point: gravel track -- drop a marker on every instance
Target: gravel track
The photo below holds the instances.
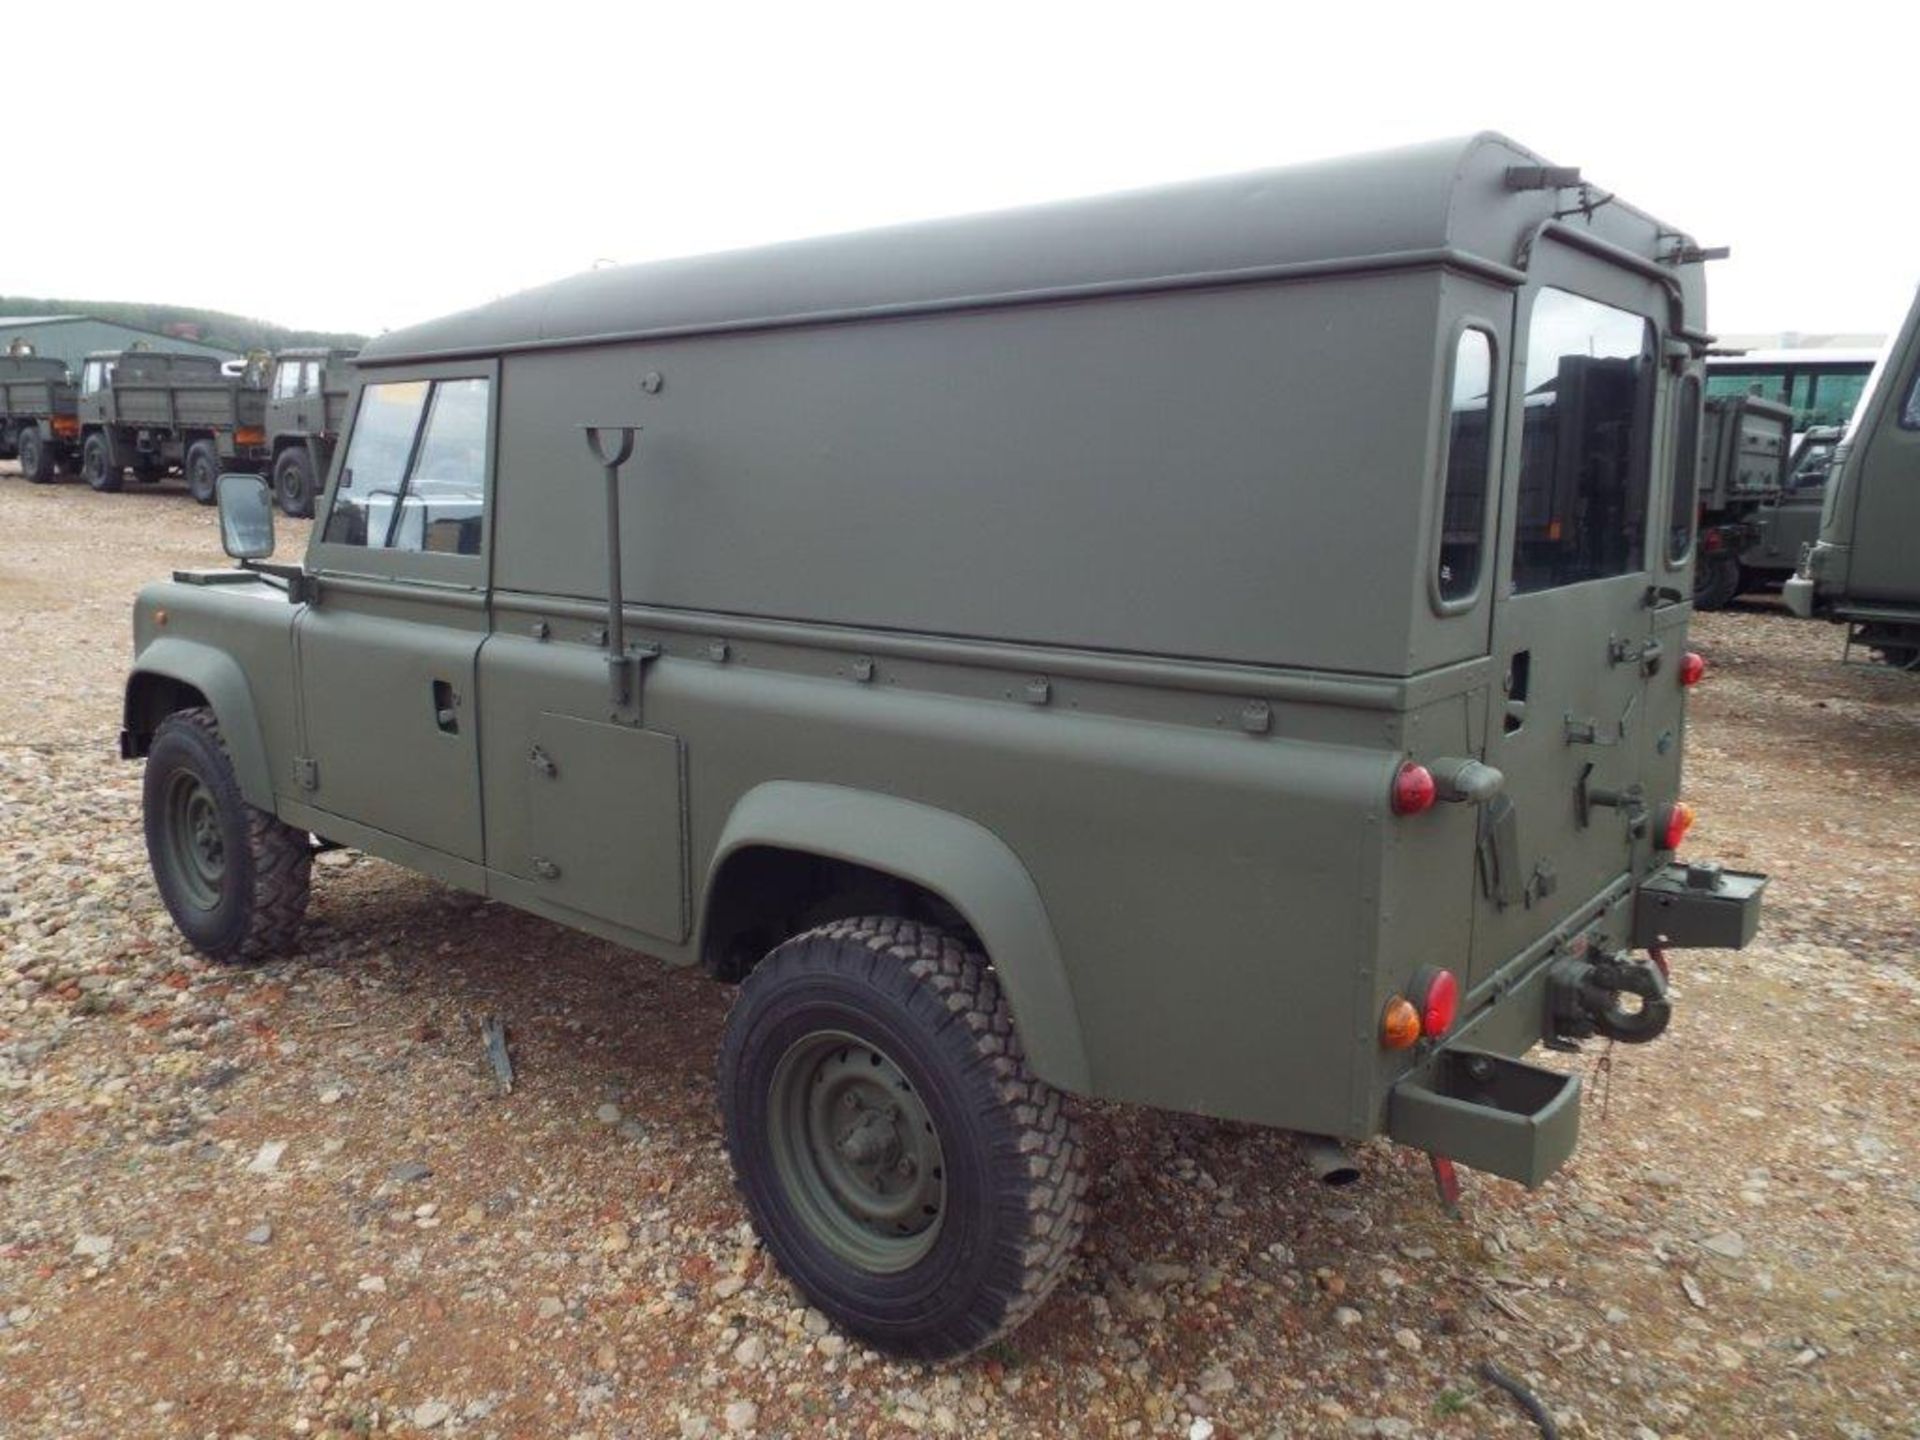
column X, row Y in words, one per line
column 292, row 1201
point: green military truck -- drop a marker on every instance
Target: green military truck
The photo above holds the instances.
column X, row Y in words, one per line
column 306, row 408
column 1744, row 450
column 1864, row 569
column 1097, row 650
column 1784, row 527
column 154, row 411
column 39, row 421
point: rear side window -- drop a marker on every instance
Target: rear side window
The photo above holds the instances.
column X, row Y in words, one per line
column 1686, row 470
column 414, row 477
column 1585, row 443
column 1463, row 503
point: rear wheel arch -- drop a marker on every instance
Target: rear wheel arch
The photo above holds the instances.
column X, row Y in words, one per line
column 794, row 855
column 176, row 675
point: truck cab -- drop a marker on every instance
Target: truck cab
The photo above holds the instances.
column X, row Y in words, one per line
column 306, row 400
column 1220, row 648
column 1863, row 571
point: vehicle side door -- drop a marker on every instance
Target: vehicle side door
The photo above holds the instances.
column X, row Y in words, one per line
column 387, row 654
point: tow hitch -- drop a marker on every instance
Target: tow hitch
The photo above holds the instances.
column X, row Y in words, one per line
column 1618, row 996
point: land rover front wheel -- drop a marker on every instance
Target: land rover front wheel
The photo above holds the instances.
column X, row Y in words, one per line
column 203, row 471
column 233, row 877
column 96, row 464
column 293, row 481
column 902, row 1164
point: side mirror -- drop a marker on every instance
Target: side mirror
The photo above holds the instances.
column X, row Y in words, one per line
column 246, row 516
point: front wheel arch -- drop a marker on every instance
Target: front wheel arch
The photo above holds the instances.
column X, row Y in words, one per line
column 176, row 675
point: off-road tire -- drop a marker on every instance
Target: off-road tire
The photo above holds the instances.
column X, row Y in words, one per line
column 97, row 467
column 36, row 456
column 202, row 470
column 1014, row 1187
column 262, row 891
column 293, row 482
column 1716, row 580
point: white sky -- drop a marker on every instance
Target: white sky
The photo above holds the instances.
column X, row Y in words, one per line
column 361, row 167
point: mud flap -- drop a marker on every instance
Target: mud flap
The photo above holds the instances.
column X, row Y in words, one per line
column 1494, row 1114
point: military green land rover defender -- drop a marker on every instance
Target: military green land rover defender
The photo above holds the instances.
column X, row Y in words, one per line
column 1864, row 570
column 1220, row 648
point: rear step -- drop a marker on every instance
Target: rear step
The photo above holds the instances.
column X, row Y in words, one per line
column 1499, row 1115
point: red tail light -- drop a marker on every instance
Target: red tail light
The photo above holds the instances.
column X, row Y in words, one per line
column 1692, row 667
column 1675, row 821
column 1438, row 995
column 1413, row 790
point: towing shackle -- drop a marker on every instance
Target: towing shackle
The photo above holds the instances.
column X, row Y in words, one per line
column 1587, row 996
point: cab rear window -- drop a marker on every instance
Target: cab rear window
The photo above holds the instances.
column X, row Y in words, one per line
column 1585, row 444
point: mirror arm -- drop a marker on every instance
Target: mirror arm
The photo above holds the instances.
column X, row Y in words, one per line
column 301, row 588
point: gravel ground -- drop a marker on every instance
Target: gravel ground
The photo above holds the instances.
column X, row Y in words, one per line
column 291, row 1200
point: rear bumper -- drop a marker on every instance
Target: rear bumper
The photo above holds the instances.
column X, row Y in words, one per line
column 1473, row 1101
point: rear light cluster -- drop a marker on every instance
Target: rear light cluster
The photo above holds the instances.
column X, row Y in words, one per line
column 1675, row 820
column 1428, row 1009
column 1413, row 789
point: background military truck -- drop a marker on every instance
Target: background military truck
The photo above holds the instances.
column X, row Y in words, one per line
column 1098, row 649
column 1864, row 569
column 39, row 422
column 306, row 407
column 153, row 410
column 1743, row 470
column 1787, row 525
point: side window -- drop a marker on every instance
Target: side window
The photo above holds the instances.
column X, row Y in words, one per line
column 310, row 378
column 414, row 477
column 286, row 380
column 1910, row 410
column 1585, row 443
column 1463, row 501
column 1834, row 399
column 92, row 377
column 1686, row 471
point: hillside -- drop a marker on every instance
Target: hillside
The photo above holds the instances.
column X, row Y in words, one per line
column 236, row 332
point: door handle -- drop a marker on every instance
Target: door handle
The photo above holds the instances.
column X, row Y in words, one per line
column 446, row 708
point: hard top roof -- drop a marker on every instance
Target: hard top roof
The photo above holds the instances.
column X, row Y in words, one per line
column 314, row 352
column 1445, row 196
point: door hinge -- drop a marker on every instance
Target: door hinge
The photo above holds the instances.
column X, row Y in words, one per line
column 306, row 773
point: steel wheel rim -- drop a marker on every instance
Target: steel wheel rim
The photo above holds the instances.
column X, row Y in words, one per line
column 857, row 1152
column 196, row 849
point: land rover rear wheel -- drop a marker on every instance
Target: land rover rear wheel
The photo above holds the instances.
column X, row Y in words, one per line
column 293, row 481
column 203, row 471
column 900, row 1161
column 36, row 456
column 96, row 465
column 233, row 877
